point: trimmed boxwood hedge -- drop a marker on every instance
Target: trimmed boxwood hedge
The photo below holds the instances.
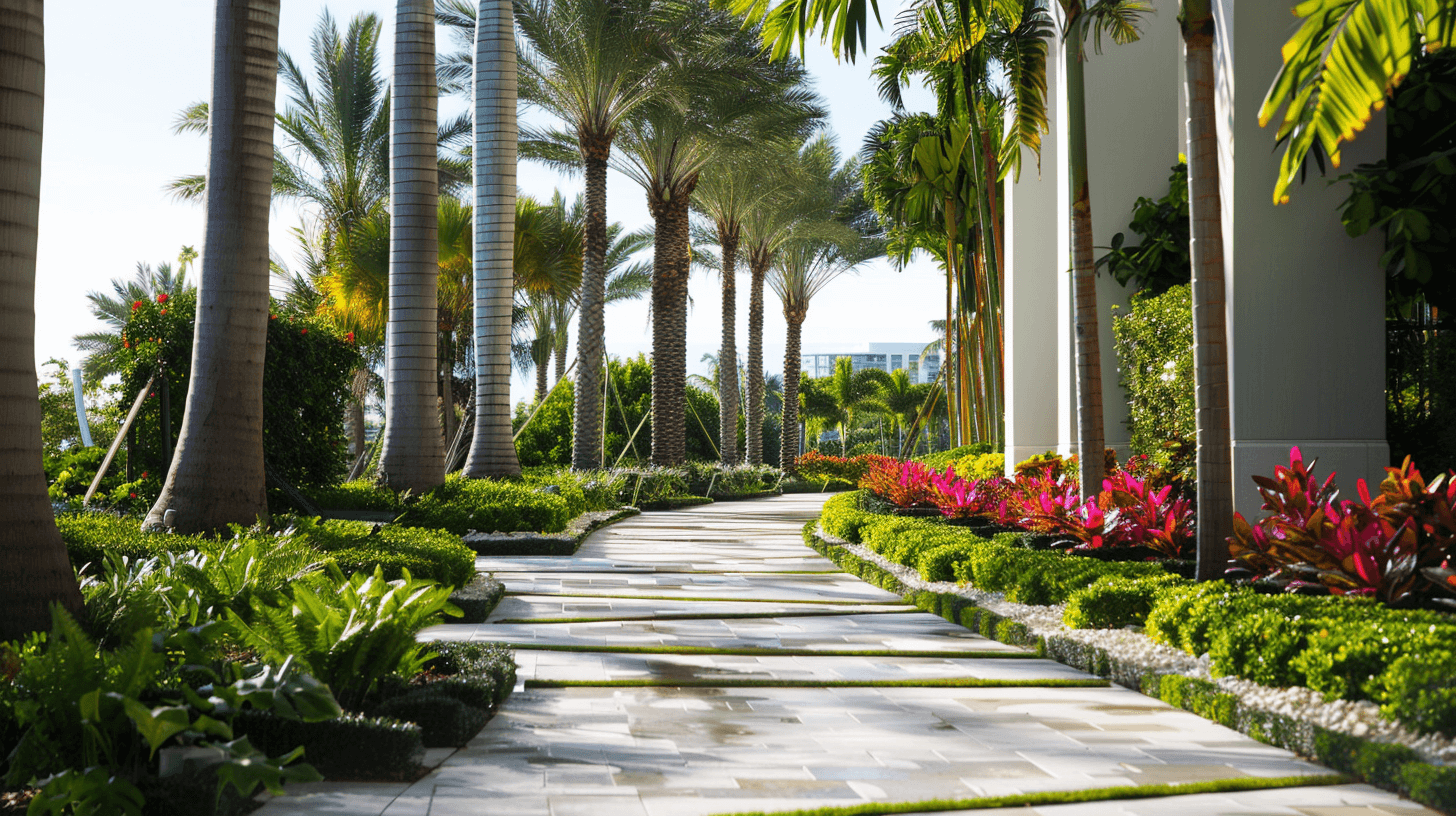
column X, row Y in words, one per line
column 350, row 747
column 461, row 505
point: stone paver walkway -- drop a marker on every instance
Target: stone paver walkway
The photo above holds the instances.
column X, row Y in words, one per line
column 705, row 661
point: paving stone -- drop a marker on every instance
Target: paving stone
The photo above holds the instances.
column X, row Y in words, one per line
column 692, row 751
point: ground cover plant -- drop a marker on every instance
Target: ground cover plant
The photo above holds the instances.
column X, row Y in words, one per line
column 247, row 649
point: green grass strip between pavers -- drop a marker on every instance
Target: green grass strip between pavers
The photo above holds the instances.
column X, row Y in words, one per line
column 1067, row 797
column 813, row 613
column 696, row 599
column 767, row 651
column 755, row 682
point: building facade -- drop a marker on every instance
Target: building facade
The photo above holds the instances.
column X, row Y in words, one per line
column 883, row 356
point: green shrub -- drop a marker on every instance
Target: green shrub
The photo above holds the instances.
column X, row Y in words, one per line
column 584, row 491
column 938, row 563
column 350, row 638
column 1420, row 691
column 1154, row 343
column 358, row 546
column 493, row 660
column 461, row 505
column 477, row 599
column 91, row 535
column 350, row 747
column 361, row 494
column 844, row 515
column 444, row 721
column 978, row 467
column 943, row 458
column 1260, row 646
column 1112, row 602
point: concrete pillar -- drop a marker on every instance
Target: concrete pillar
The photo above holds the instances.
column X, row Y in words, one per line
column 1306, row 302
column 1036, row 263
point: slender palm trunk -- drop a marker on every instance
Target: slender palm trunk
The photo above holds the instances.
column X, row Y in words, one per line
column 728, row 352
column 492, row 452
column 789, row 448
column 1210, row 331
column 543, row 385
column 358, row 393
column 34, row 569
column 586, row 443
column 414, row 452
column 560, row 362
column 758, row 262
column 670, row 262
column 447, row 387
column 217, row 477
column 1090, row 440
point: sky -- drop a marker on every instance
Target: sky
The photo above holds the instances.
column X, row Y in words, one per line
column 116, row 80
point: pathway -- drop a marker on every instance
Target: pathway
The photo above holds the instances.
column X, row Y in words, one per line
column 705, row 661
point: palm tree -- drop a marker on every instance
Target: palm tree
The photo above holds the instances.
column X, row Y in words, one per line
column 217, row 477
column 852, row 390
column 725, row 193
column 103, row 348
column 413, row 456
column 590, row 65
column 549, row 240
column 1117, row 18
column 35, row 571
column 901, row 400
column 1341, row 64
column 767, row 225
column 492, row 450
column 1214, row 456
column 818, row 251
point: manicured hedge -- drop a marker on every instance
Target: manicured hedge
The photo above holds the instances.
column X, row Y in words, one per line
column 354, row 545
column 461, row 505
column 477, row 599
column 350, row 747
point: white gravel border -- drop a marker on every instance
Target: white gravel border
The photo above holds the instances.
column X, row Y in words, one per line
column 1360, row 719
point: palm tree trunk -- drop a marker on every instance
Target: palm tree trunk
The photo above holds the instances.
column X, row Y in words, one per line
column 492, row 451
column 789, row 448
column 543, row 385
column 358, row 392
column 34, row 569
column 560, row 354
column 1210, row 332
column 1090, row 440
column 414, row 452
column 670, row 263
column 217, row 475
column 447, row 388
column 586, row 443
column 728, row 352
column 758, row 262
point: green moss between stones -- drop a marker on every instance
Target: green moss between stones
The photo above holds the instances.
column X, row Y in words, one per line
column 1064, row 797
column 808, row 613
column 749, row 651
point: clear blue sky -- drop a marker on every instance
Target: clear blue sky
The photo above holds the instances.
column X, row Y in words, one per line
column 116, row 79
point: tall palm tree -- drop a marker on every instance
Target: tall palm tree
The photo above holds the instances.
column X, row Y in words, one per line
column 1214, row 455
column 217, row 476
column 492, row 450
column 590, row 65
column 900, row 400
column 851, row 391
column 819, row 250
column 1119, row 19
column 767, row 225
column 413, row 456
column 34, row 569
column 733, row 96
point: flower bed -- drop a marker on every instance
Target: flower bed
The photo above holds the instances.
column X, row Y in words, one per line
column 1318, row 608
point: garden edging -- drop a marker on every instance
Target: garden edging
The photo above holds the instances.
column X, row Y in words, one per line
column 1387, row 765
column 565, row 542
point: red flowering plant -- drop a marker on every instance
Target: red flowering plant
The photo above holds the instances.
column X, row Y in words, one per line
column 903, row 484
column 1135, row 514
column 1396, row 546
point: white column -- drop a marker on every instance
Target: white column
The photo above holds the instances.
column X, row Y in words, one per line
column 1132, row 143
column 1036, row 263
column 1306, row 302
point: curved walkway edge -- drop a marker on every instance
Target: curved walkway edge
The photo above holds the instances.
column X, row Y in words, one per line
column 705, row 661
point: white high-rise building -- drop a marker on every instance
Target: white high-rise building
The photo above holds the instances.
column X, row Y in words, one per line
column 884, row 356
